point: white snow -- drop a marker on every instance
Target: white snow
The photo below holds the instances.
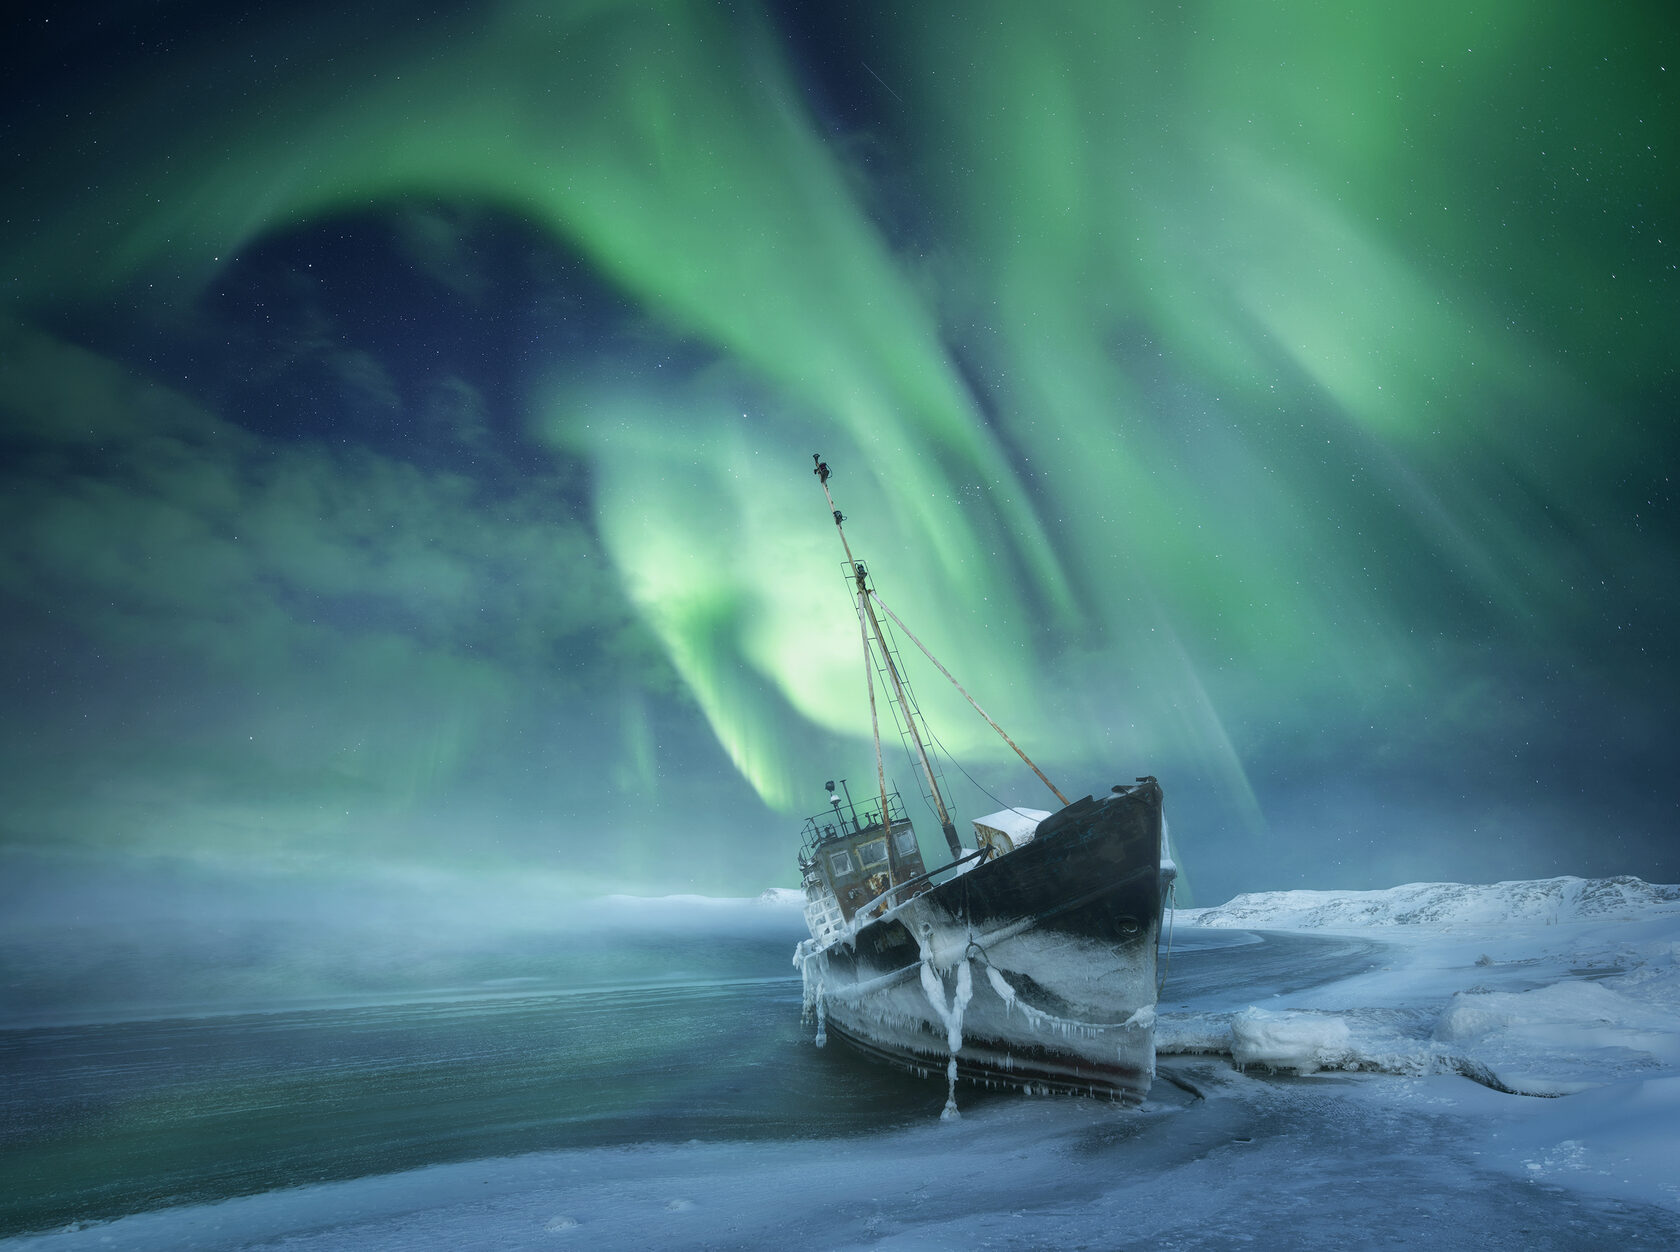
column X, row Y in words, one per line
column 1441, row 904
column 1298, row 1042
column 1019, row 824
column 1541, row 987
column 1369, row 1107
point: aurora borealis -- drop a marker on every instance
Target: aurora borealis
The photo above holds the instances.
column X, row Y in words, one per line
column 408, row 416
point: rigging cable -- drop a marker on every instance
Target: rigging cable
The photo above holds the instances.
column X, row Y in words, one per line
column 874, row 725
column 902, row 720
column 1010, row 807
column 876, row 596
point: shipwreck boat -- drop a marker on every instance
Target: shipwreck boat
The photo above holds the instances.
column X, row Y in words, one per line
column 1027, row 960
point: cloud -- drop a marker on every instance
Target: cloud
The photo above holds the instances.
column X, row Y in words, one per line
column 284, row 640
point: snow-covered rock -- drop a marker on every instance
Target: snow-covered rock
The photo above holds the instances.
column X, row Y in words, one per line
column 1299, row 1042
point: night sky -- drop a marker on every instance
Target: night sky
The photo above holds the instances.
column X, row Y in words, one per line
column 408, row 413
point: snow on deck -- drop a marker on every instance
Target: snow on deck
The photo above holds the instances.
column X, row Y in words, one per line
column 1019, row 824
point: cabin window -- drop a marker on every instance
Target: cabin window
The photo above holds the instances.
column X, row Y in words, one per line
column 874, row 852
column 840, row 862
column 907, row 843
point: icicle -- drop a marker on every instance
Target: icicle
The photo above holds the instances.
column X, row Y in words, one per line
column 959, row 1004
column 1005, row 992
column 822, row 1018
column 934, row 988
column 951, row 1016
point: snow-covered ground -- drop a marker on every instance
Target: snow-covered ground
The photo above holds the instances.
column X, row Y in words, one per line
column 1445, row 905
column 1375, row 1106
column 1543, row 988
column 1565, row 988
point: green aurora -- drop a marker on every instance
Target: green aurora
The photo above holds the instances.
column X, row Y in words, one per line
column 1277, row 398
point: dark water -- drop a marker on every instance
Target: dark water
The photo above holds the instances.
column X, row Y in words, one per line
column 103, row 1119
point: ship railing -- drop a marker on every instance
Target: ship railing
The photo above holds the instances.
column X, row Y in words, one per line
column 824, row 827
column 896, row 895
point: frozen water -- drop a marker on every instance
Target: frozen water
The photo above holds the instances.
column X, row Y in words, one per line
column 1343, row 1085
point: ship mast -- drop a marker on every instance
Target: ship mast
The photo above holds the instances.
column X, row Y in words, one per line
column 860, row 575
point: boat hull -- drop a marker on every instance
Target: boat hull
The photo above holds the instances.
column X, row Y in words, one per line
column 1035, row 970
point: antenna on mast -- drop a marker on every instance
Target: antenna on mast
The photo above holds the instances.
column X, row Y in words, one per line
column 860, row 576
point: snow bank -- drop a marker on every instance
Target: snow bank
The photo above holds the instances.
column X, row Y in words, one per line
column 1569, row 1035
column 1536, row 988
column 1547, row 900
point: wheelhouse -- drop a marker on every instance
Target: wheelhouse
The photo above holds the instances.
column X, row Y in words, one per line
column 857, row 861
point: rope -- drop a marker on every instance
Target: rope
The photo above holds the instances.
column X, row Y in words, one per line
column 1172, row 916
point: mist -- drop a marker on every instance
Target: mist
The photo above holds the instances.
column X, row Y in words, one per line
column 183, row 941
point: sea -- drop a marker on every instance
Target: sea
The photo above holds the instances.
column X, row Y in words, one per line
column 644, row 1037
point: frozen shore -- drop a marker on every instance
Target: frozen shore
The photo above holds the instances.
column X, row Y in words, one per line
column 1538, row 988
column 1371, row 1106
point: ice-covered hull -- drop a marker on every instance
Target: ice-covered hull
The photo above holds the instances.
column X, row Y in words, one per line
column 1035, row 970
